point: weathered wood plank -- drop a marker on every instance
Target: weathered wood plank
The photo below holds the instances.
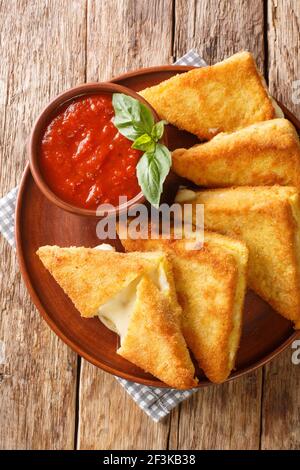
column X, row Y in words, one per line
column 218, row 29
column 122, row 36
column 281, row 396
column 283, row 48
column 109, row 419
column 42, row 53
column 220, row 417
column 281, row 404
column 228, row 416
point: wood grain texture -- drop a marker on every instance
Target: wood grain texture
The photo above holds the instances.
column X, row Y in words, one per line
column 281, row 395
column 140, row 35
column 220, row 417
column 109, row 418
column 40, row 56
column 283, row 52
column 281, row 404
column 218, row 29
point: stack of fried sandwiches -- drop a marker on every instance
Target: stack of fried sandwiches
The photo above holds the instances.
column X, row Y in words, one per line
column 173, row 307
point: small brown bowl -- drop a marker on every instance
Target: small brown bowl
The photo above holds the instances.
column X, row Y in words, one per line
column 45, row 118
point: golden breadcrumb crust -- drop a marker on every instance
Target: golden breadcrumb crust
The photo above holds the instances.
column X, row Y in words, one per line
column 154, row 340
column 265, row 153
column 221, row 98
column 91, row 277
column 267, row 219
column 206, row 282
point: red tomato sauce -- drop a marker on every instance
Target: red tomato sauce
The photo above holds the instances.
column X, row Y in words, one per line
column 84, row 159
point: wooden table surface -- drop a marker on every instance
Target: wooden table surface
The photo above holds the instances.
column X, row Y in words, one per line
column 49, row 397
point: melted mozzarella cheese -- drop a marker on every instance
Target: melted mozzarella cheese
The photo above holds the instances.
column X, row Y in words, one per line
column 116, row 313
column 278, row 110
column 105, row 247
column 159, row 278
column 185, row 195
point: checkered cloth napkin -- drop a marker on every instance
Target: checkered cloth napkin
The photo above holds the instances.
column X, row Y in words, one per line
column 156, row 402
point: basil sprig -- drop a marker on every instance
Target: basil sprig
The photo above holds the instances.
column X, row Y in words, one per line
column 135, row 121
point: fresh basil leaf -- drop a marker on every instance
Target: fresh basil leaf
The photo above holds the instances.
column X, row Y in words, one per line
column 132, row 118
column 146, row 118
column 158, row 130
column 135, row 121
column 152, row 170
column 144, row 142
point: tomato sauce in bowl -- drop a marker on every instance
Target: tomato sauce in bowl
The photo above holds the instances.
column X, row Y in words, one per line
column 83, row 158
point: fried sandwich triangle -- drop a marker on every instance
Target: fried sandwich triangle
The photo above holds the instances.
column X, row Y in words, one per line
column 267, row 219
column 223, row 97
column 262, row 154
column 135, row 296
column 210, row 285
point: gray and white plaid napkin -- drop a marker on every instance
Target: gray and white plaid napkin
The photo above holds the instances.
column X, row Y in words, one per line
column 156, row 402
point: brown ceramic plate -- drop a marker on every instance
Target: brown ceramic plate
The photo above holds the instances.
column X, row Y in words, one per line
column 39, row 222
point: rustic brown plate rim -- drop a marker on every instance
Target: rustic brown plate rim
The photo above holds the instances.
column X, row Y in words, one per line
column 74, row 346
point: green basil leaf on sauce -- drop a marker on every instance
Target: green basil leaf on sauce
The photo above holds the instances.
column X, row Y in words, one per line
column 135, row 121
column 132, row 118
column 144, row 142
column 152, row 170
column 158, row 130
